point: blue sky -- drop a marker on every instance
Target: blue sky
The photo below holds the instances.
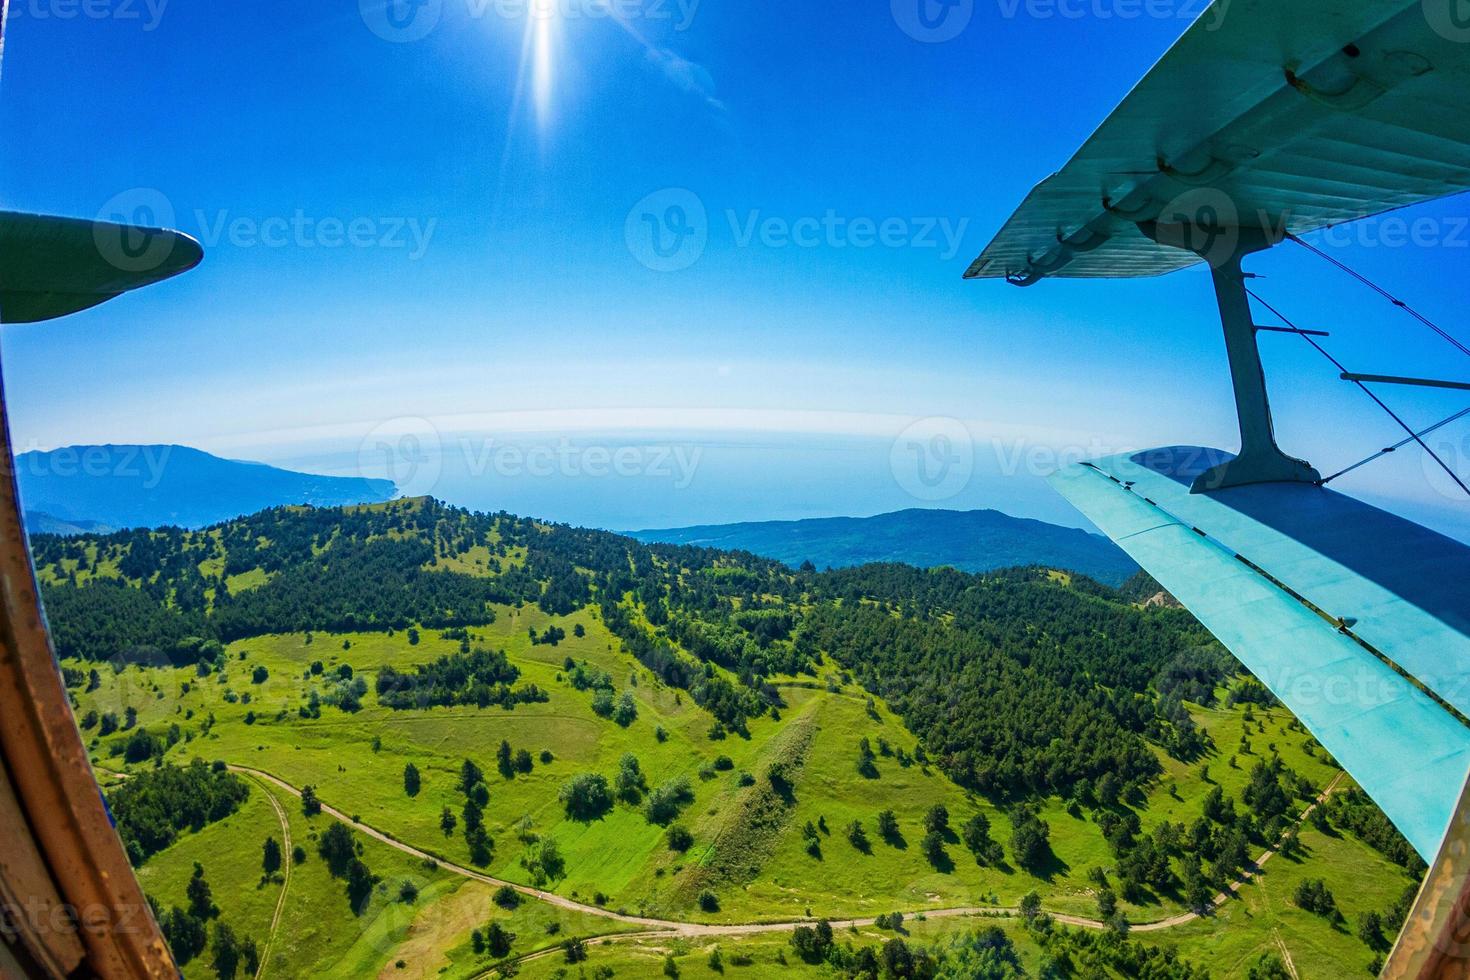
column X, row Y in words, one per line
column 498, row 171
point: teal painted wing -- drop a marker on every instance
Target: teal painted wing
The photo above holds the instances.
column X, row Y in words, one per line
column 1321, row 597
column 1298, row 113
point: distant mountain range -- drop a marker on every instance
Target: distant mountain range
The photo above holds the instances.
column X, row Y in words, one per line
column 97, row 488
column 972, row 541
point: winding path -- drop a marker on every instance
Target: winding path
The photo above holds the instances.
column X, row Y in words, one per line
column 286, row 863
column 667, row 928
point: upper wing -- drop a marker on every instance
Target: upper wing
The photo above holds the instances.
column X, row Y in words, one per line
column 1296, row 113
column 1359, row 621
column 50, row 267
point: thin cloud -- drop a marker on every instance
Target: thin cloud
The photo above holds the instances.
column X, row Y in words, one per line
column 688, row 76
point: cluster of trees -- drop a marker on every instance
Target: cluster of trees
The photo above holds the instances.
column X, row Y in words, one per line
column 510, row 762
column 153, row 807
column 985, row 954
column 342, row 853
column 1352, row 808
column 186, row 930
column 1215, row 848
column 481, row 677
column 1313, row 895
column 476, row 795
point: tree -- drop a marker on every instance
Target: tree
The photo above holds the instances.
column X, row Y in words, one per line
column 898, row 959
column 858, row 837
column 709, row 901
column 976, row 835
column 1030, row 905
column 887, row 825
column 481, row 845
column 1268, row 967
column 408, row 892
column 933, row 848
column 271, row 859
column 201, row 900
column 185, row 933
column 310, row 805
column 498, row 940
column 1107, row 904
column 338, row 849
column 226, row 952
column 507, row 898
column 505, row 760
column 680, row 839
column 936, row 821
column 411, row 781
column 447, row 821
column 1030, row 838
column 250, row 956
column 469, row 775
column 629, row 781
column 586, row 796
column 1370, row 931
column 360, row 882
column 575, row 950
column 665, row 802
column 671, row 968
column 626, row 711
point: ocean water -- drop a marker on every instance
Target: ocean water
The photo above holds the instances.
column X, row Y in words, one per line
column 652, row 480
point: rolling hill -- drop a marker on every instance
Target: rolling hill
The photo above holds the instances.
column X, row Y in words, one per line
column 971, row 541
column 91, row 488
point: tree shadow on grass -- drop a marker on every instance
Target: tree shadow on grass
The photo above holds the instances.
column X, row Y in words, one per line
column 1050, row 867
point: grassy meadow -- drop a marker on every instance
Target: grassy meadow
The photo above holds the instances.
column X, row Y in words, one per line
column 757, row 861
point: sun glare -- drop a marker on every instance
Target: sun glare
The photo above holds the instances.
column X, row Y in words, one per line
column 541, row 35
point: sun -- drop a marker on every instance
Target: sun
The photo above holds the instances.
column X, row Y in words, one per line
column 541, row 36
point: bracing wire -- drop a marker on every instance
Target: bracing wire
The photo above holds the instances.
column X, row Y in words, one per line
column 1414, row 436
column 1385, row 294
column 1396, row 446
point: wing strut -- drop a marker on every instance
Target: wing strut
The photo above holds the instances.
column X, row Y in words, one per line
column 1260, row 459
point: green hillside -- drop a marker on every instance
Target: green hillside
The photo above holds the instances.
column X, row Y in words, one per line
column 680, row 749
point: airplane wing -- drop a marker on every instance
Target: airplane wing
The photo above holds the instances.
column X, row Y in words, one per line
column 1359, row 621
column 50, row 267
column 1297, row 113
